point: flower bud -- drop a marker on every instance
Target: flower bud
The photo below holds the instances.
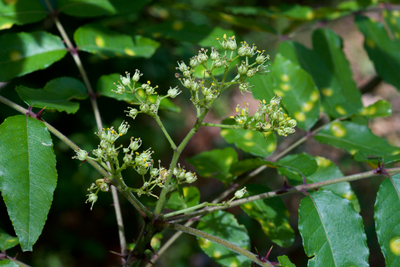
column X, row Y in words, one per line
column 190, row 177
column 144, row 107
column 194, row 62
column 173, row 92
column 214, row 54
column 195, row 87
column 104, row 187
column 123, row 128
column 251, row 72
column 92, row 197
column 154, row 172
column 132, row 112
column 136, row 76
column 242, row 69
column 126, row 81
column 81, row 155
column 240, row 193
column 182, row 67
column 232, row 43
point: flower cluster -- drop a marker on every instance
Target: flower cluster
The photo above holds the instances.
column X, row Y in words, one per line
column 277, row 120
column 211, row 61
column 100, row 185
column 142, row 94
column 184, row 176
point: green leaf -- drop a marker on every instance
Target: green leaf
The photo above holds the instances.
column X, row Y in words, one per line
column 8, row 263
column 224, row 225
column 28, row 175
column 106, row 83
column 55, row 95
column 355, row 138
column 271, row 213
column 327, row 170
column 23, row 53
column 7, row 241
column 91, row 8
column 191, row 195
column 96, row 39
column 285, row 262
column 373, row 161
column 215, row 163
column 263, row 87
column 297, row 165
column 332, row 231
column 217, row 33
column 300, row 97
column 251, row 141
column 330, row 70
column 380, row 108
column 392, row 20
column 240, row 167
column 20, row 12
column 181, row 31
column 387, row 219
column 294, row 12
column 381, row 49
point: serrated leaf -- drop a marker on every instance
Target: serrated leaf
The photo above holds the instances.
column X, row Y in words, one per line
column 373, row 161
column 354, row 138
column 28, row 175
column 250, row 141
column 380, row 108
column 271, row 213
column 296, row 165
column 8, row 263
column 55, row 95
column 330, row 70
column 95, row 8
column 387, row 219
column 215, row 163
column 106, row 83
column 7, row 241
column 332, row 231
column 299, row 95
column 285, row 262
column 191, row 197
column 382, row 51
column 225, row 226
column 20, row 12
column 23, row 53
column 327, row 170
column 97, row 39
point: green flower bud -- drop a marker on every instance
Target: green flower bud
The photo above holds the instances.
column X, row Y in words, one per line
column 240, row 193
column 123, row 128
column 136, row 76
column 194, row 62
column 251, row 72
column 120, row 89
column 132, row 112
column 182, row 67
column 126, row 81
column 92, row 198
column 173, row 92
column 144, row 107
column 81, row 155
column 214, row 54
column 242, row 69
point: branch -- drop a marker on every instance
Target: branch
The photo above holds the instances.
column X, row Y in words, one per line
column 289, row 190
column 217, row 240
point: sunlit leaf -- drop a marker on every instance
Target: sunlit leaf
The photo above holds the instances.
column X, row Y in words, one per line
column 380, row 108
column 296, row 166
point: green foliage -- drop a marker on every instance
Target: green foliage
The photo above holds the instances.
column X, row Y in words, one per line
column 307, row 89
column 29, row 168
column 325, row 221
column 224, row 225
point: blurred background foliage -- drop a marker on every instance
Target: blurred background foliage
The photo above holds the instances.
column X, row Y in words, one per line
column 76, row 236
